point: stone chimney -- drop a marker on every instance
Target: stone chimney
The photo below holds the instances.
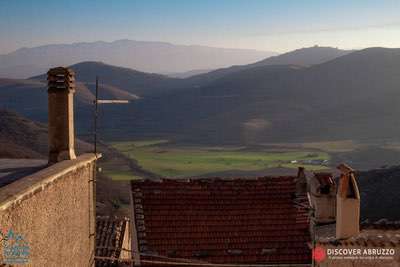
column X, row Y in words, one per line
column 61, row 88
column 322, row 193
column 347, row 204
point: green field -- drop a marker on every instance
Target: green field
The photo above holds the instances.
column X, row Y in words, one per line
column 119, row 175
column 166, row 160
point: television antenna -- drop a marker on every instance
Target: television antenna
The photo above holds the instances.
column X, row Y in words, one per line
column 98, row 101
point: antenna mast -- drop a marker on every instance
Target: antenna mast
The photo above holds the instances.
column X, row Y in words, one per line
column 96, row 114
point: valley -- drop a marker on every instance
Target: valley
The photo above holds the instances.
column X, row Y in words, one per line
column 169, row 159
column 187, row 161
column 340, row 103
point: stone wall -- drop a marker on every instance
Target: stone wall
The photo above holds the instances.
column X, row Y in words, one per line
column 53, row 212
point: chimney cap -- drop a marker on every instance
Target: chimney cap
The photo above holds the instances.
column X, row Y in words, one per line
column 61, row 71
column 60, row 79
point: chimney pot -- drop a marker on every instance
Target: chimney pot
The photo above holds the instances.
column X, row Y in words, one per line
column 61, row 89
column 347, row 204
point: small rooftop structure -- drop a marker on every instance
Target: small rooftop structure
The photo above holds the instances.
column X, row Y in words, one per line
column 220, row 221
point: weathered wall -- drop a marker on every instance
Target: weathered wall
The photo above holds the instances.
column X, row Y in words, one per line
column 53, row 211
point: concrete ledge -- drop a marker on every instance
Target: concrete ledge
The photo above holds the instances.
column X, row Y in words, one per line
column 24, row 188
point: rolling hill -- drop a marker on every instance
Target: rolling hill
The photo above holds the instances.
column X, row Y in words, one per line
column 132, row 81
column 303, row 57
column 158, row 57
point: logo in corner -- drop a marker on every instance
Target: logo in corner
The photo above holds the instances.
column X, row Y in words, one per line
column 319, row 254
column 15, row 248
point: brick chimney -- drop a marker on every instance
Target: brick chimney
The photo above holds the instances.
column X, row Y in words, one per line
column 347, row 204
column 61, row 88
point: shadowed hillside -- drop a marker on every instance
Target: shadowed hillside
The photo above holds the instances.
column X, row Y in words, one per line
column 20, row 137
column 380, row 188
column 23, row 138
column 302, row 57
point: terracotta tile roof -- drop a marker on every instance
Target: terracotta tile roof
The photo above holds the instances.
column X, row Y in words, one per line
column 109, row 239
column 222, row 221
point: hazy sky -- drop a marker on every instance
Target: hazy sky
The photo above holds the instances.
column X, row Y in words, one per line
column 260, row 24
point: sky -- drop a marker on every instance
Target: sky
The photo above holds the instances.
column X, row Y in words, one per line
column 278, row 26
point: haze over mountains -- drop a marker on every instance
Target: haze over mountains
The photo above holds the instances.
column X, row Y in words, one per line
column 334, row 95
column 153, row 57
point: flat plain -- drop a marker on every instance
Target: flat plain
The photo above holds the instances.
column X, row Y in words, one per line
column 172, row 160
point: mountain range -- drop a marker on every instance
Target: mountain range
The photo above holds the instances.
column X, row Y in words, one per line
column 353, row 96
column 333, row 95
column 153, row 57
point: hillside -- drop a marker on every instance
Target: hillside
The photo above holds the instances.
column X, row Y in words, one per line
column 303, row 57
column 379, row 188
column 186, row 74
column 124, row 79
column 154, row 57
column 20, row 137
column 23, row 138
